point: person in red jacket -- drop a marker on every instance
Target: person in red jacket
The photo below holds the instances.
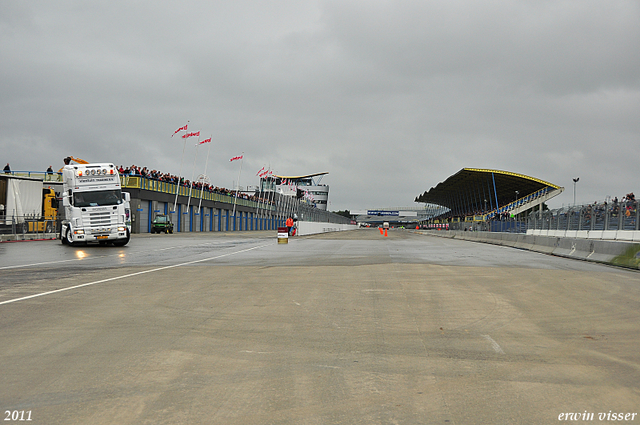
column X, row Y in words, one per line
column 289, row 224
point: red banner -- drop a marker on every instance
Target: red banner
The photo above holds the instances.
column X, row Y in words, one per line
column 179, row 130
column 197, row 133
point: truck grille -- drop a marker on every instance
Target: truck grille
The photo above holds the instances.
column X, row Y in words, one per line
column 100, row 219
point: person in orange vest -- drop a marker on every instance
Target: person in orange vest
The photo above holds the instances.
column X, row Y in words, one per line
column 289, row 224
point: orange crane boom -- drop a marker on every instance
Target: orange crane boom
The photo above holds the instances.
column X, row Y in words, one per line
column 73, row 159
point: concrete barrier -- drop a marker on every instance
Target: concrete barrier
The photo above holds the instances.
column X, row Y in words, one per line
column 545, row 244
column 311, row 227
column 617, row 252
column 613, row 235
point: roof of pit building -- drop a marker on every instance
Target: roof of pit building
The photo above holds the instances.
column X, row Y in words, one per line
column 472, row 189
column 306, row 176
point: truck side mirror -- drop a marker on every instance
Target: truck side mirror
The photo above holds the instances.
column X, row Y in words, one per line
column 126, row 196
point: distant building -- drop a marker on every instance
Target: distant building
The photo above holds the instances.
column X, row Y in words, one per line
column 397, row 215
column 306, row 188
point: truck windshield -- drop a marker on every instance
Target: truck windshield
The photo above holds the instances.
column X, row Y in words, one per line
column 97, row 198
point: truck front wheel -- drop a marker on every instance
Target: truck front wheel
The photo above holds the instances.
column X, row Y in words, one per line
column 123, row 242
column 63, row 237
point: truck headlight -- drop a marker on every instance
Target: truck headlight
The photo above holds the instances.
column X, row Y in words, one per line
column 79, row 232
column 121, row 228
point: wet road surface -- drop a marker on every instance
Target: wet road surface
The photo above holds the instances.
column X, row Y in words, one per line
column 341, row 328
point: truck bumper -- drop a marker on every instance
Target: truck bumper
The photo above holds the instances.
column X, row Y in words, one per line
column 80, row 235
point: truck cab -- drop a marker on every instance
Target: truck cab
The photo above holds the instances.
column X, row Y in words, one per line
column 96, row 209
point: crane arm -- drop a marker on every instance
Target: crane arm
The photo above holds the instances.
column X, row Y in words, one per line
column 78, row 160
column 74, row 159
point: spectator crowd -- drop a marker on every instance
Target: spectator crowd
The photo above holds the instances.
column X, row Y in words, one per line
column 136, row 171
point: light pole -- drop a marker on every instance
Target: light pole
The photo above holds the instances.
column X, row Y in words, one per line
column 574, row 190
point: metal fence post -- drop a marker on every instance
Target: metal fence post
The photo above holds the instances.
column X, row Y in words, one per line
column 580, row 218
column 620, row 217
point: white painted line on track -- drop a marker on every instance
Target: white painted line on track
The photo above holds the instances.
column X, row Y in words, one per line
column 91, row 257
column 131, row 275
column 39, row 264
column 494, row 344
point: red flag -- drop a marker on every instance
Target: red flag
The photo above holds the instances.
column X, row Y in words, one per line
column 205, row 141
column 260, row 171
column 197, row 133
column 179, row 130
column 236, row 158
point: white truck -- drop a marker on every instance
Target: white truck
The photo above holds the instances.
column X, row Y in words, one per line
column 96, row 209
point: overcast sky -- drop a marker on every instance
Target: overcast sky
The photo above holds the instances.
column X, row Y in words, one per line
column 389, row 97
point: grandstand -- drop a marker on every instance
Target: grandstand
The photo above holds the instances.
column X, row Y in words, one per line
column 476, row 194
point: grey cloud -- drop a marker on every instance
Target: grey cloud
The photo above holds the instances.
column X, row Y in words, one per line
column 388, row 97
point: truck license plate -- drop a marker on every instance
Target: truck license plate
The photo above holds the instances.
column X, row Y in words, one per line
column 102, row 237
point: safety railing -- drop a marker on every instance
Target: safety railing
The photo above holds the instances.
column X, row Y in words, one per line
column 509, row 226
column 32, row 226
column 139, row 182
column 598, row 216
column 518, row 203
column 310, row 213
column 42, row 175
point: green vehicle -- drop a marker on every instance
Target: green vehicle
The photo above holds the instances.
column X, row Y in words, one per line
column 162, row 223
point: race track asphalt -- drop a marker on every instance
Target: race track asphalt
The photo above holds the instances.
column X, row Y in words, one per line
column 341, row 328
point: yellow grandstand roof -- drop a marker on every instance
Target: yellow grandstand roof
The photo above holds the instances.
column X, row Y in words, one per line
column 472, row 187
column 509, row 173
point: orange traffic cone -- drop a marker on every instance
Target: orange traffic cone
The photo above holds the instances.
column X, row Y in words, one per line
column 385, row 233
column 380, row 230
